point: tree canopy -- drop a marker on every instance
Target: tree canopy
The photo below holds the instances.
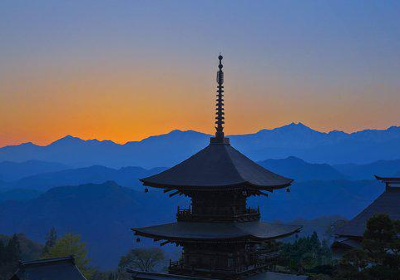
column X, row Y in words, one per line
column 51, row 240
column 306, row 253
column 379, row 256
column 71, row 244
column 144, row 259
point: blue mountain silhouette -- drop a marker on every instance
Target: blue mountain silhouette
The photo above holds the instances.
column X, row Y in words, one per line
column 100, row 212
column 301, row 170
column 126, row 176
column 10, row 171
column 297, row 140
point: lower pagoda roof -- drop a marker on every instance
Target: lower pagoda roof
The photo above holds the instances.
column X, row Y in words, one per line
column 219, row 165
column 217, row 231
column 267, row 275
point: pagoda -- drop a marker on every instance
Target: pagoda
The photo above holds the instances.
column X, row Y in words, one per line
column 220, row 235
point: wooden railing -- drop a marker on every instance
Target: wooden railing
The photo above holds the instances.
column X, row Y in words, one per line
column 249, row 214
column 179, row 267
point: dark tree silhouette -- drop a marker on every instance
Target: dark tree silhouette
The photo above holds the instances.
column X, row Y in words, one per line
column 51, row 241
column 9, row 257
column 142, row 259
column 2, row 253
column 13, row 251
column 379, row 257
column 306, row 253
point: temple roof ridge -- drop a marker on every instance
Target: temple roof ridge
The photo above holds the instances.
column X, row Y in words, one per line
column 62, row 268
column 388, row 203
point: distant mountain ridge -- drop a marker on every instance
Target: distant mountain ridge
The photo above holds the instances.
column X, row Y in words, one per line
column 301, row 170
column 335, row 147
column 129, row 176
column 363, row 171
column 10, row 171
column 18, row 195
column 96, row 174
column 101, row 213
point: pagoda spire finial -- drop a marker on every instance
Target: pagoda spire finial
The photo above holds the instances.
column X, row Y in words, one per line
column 219, row 134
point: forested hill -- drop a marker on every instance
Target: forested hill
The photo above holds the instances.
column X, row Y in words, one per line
column 101, row 213
column 104, row 213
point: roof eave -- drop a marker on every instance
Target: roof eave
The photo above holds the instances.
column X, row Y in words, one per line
column 244, row 184
column 348, row 235
column 244, row 237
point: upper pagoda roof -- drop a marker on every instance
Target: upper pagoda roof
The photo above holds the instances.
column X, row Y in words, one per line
column 217, row 165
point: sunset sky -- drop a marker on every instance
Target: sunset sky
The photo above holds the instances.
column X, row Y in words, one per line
column 125, row 70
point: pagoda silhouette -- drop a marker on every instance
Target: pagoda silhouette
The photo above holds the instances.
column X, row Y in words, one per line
column 220, row 235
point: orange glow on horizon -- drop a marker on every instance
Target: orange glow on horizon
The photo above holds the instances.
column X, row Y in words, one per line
column 128, row 104
column 141, row 68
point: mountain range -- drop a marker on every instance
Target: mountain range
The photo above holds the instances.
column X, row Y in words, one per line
column 301, row 170
column 77, row 200
column 291, row 167
column 364, row 171
column 10, row 171
column 129, row 176
column 104, row 213
column 126, row 176
column 335, row 147
column 101, row 213
column 92, row 187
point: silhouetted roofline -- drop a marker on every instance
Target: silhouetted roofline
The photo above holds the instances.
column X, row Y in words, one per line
column 219, row 165
column 387, row 203
column 216, row 167
column 245, row 184
column 226, row 231
column 49, row 261
column 62, row 268
column 388, row 179
column 392, row 183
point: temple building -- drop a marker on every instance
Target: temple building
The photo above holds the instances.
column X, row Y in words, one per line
column 49, row 269
column 350, row 235
column 220, row 235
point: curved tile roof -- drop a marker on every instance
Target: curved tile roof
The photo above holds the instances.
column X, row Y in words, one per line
column 387, row 203
column 49, row 269
column 217, row 165
column 217, row 231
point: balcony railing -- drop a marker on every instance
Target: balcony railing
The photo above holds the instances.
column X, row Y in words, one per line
column 179, row 267
column 249, row 214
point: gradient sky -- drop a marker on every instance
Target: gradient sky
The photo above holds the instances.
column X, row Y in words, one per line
column 125, row 70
